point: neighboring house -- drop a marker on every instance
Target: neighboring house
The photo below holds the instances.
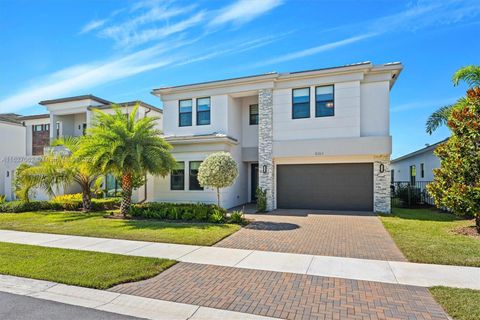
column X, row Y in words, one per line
column 317, row 139
column 12, row 144
column 66, row 117
column 416, row 166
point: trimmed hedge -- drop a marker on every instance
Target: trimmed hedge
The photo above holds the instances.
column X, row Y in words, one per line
column 179, row 211
column 70, row 205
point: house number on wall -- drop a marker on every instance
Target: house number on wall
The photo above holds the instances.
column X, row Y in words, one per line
column 319, row 153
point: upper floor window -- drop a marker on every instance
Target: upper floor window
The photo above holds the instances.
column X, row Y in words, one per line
column 177, row 177
column 193, row 180
column 185, row 113
column 253, row 114
column 41, row 127
column 203, row 111
column 301, row 103
column 422, row 170
column 324, row 101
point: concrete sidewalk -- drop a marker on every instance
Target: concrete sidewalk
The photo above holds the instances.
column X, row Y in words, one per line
column 425, row 275
column 124, row 304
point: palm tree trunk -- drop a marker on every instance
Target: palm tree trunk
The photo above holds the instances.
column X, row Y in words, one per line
column 86, row 201
column 127, row 184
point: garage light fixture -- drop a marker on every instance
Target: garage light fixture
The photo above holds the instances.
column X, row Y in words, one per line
column 382, row 168
column 264, row 169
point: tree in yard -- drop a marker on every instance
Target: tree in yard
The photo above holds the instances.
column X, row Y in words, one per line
column 24, row 182
column 456, row 184
column 219, row 170
column 62, row 168
column 126, row 147
column 471, row 76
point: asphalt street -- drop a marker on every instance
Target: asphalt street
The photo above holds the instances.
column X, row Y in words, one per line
column 15, row 307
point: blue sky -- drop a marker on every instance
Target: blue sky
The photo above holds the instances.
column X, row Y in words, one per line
column 120, row 50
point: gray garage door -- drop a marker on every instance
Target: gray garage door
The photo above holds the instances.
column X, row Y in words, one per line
column 347, row 186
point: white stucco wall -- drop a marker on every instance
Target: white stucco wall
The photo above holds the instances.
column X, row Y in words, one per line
column 218, row 117
column 249, row 132
column 12, row 143
column 402, row 167
column 345, row 122
column 375, row 109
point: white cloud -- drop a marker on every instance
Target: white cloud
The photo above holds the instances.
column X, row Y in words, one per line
column 314, row 50
column 92, row 25
column 423, row 104
column 129, row 32
column 244, row 11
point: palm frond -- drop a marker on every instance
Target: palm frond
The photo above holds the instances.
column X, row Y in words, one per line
column 438, row 118
column 468, row 74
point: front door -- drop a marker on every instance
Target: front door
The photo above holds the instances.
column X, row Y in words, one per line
column 254, row 180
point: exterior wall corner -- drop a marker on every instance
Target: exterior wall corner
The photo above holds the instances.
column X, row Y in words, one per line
column 381, row 184
column 265, row 146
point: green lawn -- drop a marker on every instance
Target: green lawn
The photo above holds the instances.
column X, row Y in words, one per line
column 426, row 236
column 460, row 304
column 95, row 225
column 74, row 267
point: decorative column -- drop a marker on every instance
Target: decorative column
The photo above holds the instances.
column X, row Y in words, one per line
column 381, row 182
column 265, row 145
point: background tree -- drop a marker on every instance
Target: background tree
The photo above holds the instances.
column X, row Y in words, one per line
column 24, row 182
column 61, row 167
column 219, row 170
column 456, row 184
column 471, row 76
column 127, row 148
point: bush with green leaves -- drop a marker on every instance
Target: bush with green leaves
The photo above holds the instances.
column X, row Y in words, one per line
column 178, row 211
column 59, row 205
column 218, row 170
column 261, row 200
column 237, row 217
column 456, row 184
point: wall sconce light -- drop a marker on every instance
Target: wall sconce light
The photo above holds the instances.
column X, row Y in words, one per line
column 79, row 127
column 8, row 174
column 382, row 168
column 264, row 169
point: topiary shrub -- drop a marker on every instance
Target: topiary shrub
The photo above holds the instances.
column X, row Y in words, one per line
column 219, row 170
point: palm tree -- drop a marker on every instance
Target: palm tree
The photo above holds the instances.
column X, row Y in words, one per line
column 126, row 147
column 471, row 76
column 62, row 168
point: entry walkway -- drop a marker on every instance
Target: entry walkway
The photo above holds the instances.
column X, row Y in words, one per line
column 395, row 272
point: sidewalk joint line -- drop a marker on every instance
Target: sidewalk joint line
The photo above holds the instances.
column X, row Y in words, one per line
column 193, row 314
column 186, row 254
column 310, row 264
column 141, row 247
column 248, row 255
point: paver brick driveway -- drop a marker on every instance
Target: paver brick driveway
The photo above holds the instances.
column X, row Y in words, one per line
column 286, row 295
column 341, row 234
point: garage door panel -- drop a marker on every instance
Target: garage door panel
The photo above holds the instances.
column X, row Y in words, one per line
column 325, row 186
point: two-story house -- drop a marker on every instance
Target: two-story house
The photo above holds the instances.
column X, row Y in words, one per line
column 69, row 116
column 316, row 139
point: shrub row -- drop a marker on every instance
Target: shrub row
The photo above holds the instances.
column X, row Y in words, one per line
column 70, row 205
column 179, row 211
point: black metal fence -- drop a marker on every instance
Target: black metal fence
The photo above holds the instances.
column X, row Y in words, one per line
column 406, row 194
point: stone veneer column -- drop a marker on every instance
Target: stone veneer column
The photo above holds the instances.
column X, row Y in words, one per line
column 381, row 182
column 265, row 144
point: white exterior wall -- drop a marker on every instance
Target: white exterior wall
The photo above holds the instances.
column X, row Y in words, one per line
column 375, row 109
column 402, row 167
column 12, row 143
column 345, row 122
column 249, row 132
column 218, row 117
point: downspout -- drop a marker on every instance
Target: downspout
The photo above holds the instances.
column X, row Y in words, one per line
column 145, row 187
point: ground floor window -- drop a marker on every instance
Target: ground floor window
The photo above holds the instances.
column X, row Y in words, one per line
column 177, row 177
column 413, row 174
column 193, row 180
